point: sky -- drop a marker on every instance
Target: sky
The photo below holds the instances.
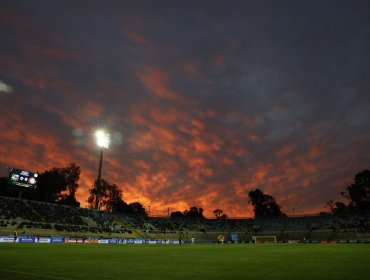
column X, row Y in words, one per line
column 204, row 100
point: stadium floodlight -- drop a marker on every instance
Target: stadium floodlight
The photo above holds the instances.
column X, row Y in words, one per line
column 102, row 140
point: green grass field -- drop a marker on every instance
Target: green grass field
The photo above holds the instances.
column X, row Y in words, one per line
column 242, row 261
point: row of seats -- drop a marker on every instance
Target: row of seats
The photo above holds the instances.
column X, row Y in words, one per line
column 34, row 214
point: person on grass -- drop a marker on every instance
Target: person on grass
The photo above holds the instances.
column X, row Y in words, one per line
column 15, row 236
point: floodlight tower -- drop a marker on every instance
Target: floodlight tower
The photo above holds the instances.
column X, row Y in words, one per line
column 102, row 140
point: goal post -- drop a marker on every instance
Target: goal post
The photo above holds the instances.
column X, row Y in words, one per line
column 258, row 239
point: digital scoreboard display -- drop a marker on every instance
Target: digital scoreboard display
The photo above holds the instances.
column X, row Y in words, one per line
column 23, row 178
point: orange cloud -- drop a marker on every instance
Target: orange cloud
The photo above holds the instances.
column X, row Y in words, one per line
column 156, row 81
column 196, row 125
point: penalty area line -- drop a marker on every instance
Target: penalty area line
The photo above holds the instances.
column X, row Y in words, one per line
column 34, row 274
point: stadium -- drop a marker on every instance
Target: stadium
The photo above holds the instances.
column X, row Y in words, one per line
column 62, row 242
column 38, row 219
column 44, row 233
column 186, row 139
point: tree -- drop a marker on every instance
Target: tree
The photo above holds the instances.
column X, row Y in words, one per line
column 336, row 208
column 109, row 195
column 359, row 192
column 219, row 214
column 194, row 212
column 340, row 208
column 110, row 199
column 137, row 208
column 330, row 205
column 121, row 207
column 264, row 205
column 71, row 175
column 114, row 198
column 177, row 214
column 51, row 184
column 57, row 185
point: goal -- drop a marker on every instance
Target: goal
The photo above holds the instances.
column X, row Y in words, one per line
column 264, row 239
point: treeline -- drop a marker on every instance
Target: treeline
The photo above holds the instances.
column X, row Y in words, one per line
column 111, row 200
column 358, row 194
column 59, row 185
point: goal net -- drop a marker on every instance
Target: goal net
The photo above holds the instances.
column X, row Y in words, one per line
column 264, row 239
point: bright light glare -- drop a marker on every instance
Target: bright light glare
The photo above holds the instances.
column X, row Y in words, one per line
column 5, row 88
column 102, row 139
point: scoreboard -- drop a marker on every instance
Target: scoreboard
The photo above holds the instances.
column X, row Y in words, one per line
column 23, row 178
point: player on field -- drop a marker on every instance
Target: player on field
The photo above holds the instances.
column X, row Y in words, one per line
column 15, row 235
column 180, row 238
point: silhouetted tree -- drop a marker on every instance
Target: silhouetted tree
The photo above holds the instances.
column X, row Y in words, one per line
column 71, row 175
column 194, row 212
column 134, row 208
column 340, row 208
column 108, row 195
column 219, row 214
column 121, row 206
column 330, row 205
column 359, row 192
column 177, row 214
column 264, row 205
column 110, row 200
column 114, row 198
column 137, row 209
column 336, row 208
column 51, row 184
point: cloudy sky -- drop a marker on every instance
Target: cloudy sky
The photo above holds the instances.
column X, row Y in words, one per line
column 204, row 100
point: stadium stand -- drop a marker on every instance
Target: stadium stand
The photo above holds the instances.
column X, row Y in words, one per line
column 38, row 218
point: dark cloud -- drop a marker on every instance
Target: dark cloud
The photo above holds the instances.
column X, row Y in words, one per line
column 205, row 100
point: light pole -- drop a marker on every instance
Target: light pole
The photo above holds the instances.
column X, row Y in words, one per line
column 102, row 140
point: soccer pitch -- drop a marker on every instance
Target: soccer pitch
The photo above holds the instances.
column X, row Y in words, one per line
column 214, row 261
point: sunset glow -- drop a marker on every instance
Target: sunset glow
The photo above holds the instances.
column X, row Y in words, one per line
column 204, row 101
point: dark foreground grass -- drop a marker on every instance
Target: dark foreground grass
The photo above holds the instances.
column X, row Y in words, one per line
column 243, row 261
